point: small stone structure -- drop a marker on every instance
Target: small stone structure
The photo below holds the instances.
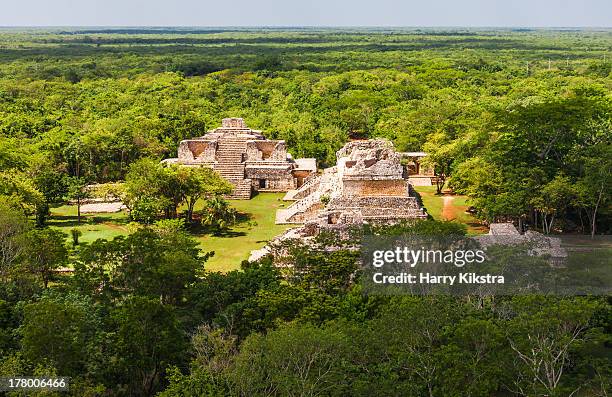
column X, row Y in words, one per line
column 368, row 185
column 419, row 174
column 102, row 208
column 540, row 245
column 245, row 158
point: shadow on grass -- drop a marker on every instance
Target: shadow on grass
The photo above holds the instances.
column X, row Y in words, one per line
column 72, row 220
column 66, row 221
column 228, row 233
column 199, row 230
column 242, row 217
column 419, row 200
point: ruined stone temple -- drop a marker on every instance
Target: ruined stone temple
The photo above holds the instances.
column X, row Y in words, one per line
column 419, row 174
column 368, row 184
column 245, row 158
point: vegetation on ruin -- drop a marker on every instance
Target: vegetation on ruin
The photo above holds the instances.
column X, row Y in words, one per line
column 517, row 123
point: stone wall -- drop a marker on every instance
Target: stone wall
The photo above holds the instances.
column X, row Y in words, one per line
column 237, row 152
column 276, row 179
column 372, row 159
column 420, row 181
column 374, row 202
column 266, row 151
column 233, row 122
column 197, row 150
column 391, row 187
column 273, row 185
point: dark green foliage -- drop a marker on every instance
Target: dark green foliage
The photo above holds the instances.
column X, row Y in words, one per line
column 194, row 68
column 148, row 339
column 146, row 263
column 217, row 214
column 138, row 316
column 44, row 251
column 61, row 329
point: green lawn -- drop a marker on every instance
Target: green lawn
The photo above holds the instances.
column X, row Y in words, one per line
column 236, row 245
column 93, row 226
column 457, row 211
column 252, row 232
column 432, row 203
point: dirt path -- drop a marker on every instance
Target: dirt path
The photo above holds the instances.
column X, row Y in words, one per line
column 448, row 212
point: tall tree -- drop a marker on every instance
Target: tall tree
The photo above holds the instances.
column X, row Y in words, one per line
column 45, row 251
column 13, row 224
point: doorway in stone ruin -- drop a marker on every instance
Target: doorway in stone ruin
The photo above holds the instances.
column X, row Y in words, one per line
column 262, row 183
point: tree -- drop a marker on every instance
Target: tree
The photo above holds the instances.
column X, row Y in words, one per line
column 149, row 339
column 45, row 251
column 78, row 191
column 473, row 359
column 594, row 188
column 152, row 187
column 144, row 190
column 201, row 182
column 440, row 156
column 412, row 329
column 13, row 224
column 318, row 269
column 553, row 200
column 18, row 190
column 52, row 183
column 215, row 292
column 152, row 263
column 300, row 360
column 218, row 214
column 542, row 335
column 62, row 329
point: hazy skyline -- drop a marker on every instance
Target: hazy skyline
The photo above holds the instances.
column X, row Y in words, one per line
column 469, row 13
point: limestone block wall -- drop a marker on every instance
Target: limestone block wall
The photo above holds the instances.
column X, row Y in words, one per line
column 276, row 179
column 381, row 169
column 276, row 185
column 420, row 181
column 233, row 122
column 390, row 187
column 252, row 152
column 264, row 150
column 374, row 202
column 280, row 151
column 200, row 150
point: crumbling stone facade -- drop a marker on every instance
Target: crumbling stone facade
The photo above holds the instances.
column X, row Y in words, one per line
column 246, row 159
column 369, row 184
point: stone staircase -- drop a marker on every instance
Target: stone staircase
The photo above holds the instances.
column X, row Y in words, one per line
column 310, row 185
column 285, row 215
column 230, row 165
column 308, row 197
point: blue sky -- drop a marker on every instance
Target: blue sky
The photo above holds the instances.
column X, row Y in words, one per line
column 532, row 13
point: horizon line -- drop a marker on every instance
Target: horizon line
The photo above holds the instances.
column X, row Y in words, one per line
column 302, row 27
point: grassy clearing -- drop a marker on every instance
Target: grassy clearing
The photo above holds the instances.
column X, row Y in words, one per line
column 231, row 248
column 93, row 226
column 454, row 210
column 252, row 232
column 235, row 245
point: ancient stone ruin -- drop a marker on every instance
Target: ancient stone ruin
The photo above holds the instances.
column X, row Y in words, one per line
column 419, row 174
column 246, row 158
column 369, row 184
column 539, row 244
